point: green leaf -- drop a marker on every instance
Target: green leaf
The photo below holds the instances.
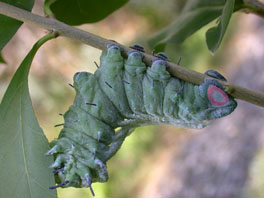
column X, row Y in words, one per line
column 185, row 26
column 8, row 25
column 77, row 12
column 24, row 167
column 2, row 60
column 196, row 14
column 215, row 35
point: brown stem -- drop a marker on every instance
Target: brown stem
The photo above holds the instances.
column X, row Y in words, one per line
column 101, row 43
column 253, row 6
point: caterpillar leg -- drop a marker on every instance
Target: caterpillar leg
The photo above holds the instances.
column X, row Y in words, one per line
column 81, row 157
column 117, row 142
column 79, row 168
column 59, row 185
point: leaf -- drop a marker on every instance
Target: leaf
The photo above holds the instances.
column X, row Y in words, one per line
column 8, row 25
column 185, row 26
column 24, row 167
column 215, row 35
column 2, row 60
column 196, row 14
column 77, row 12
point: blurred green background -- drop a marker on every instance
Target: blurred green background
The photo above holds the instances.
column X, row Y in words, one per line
column 137, row 162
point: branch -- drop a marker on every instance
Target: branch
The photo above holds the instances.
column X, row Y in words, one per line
column 101, row 43
column 254, row 6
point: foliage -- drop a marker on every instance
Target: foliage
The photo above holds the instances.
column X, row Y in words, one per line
column 22, row 141
column 23, row 144
column 8, row 25
column 1, row 59
column 82, row 11
column 196, row 14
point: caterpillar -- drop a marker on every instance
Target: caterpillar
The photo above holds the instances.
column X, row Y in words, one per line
column 121, row 95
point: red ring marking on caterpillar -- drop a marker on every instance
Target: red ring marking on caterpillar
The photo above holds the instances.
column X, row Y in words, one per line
column 221, row 99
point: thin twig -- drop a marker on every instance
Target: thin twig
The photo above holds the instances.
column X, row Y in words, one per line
column 254, row 6
column 101, row 43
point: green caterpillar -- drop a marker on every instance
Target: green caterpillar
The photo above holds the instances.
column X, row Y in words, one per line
column 125, row 94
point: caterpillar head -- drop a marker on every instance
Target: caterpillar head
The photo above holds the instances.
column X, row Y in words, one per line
column 217, row 103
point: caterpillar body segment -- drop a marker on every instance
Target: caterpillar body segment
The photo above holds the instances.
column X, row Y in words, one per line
column 154, row 83
column 110, row 78
column 88, row 92
column 134, row 73
column 172, row 94
column 127, row 94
